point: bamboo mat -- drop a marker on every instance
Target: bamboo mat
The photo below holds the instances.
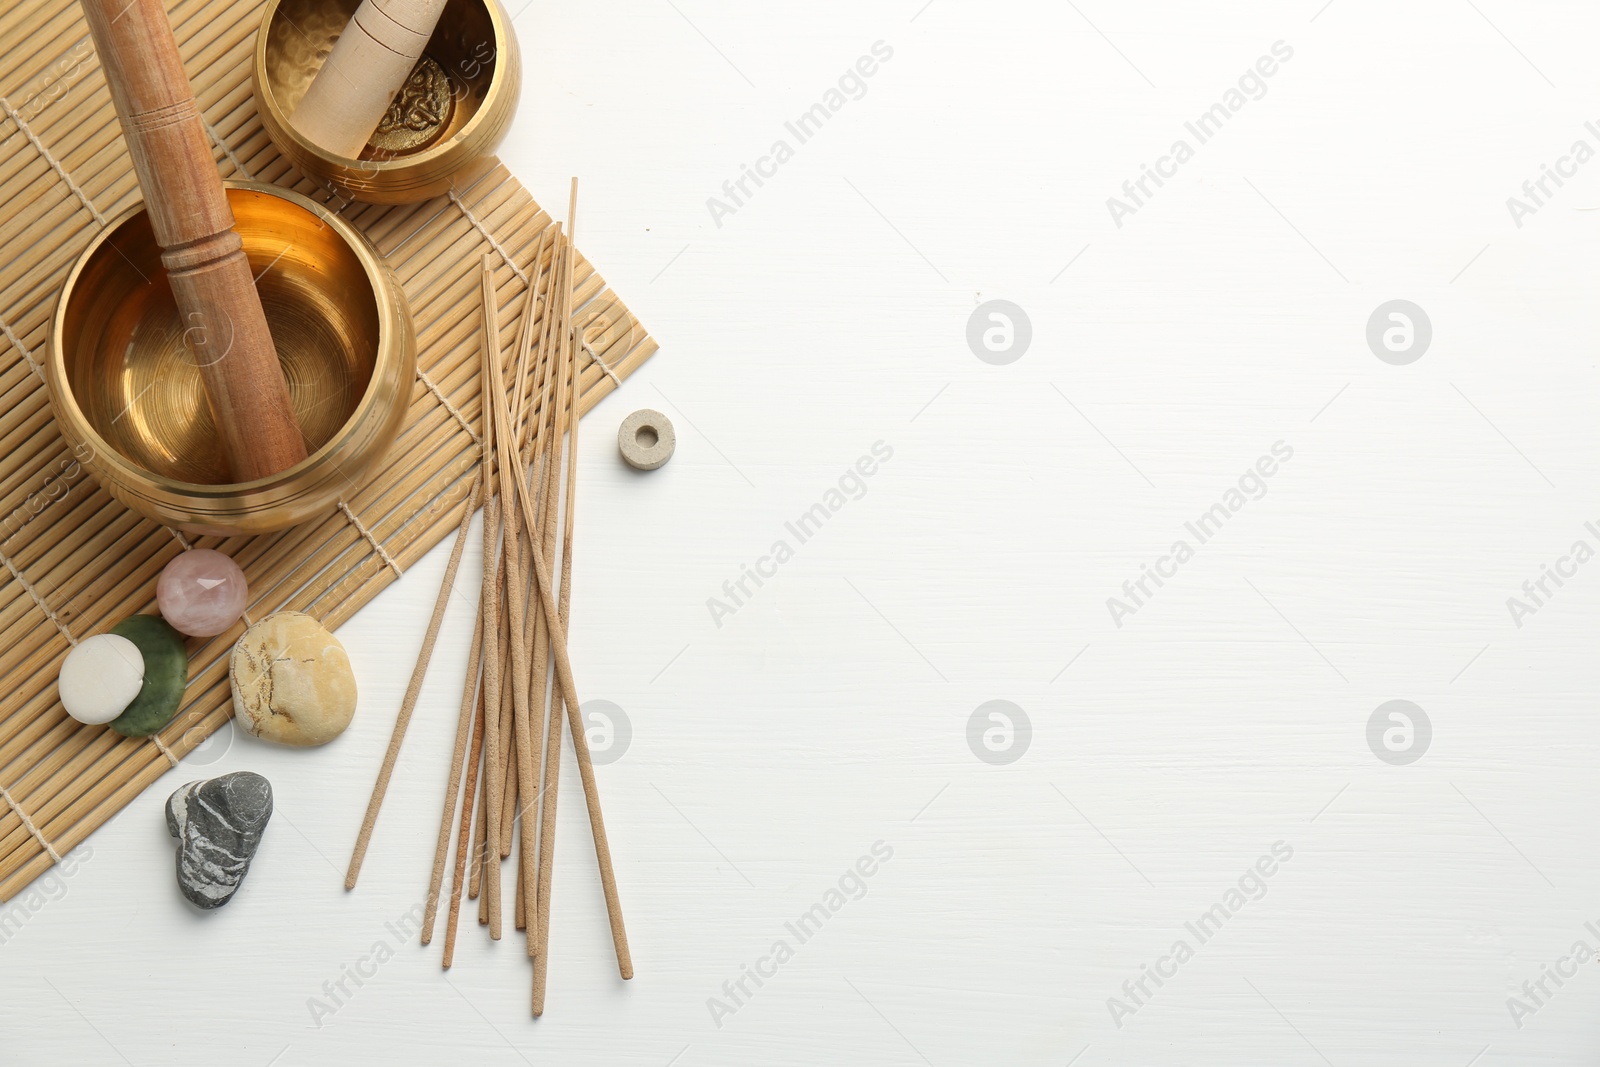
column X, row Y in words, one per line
column 75, row 561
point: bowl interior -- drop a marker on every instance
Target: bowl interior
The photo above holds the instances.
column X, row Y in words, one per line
column 136, row 381
column 302, row 32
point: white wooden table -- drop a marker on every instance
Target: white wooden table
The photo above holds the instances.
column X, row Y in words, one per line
column 1026, row 885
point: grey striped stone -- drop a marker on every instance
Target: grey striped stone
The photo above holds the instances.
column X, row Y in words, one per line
column 218, row 825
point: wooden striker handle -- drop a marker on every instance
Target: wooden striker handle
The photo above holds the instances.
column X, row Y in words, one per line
column 224, row 325
column 368, row 65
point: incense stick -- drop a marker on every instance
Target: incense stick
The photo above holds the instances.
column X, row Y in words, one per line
column 408, row 705
column 547, row 837
column 516, row 578
column 536, row 445
column 468, row 804
column 513, row 486
column 549, row 457
column 520, row 908
column 471, row 698
column 550, row 432
column 525, row 336
column 452, row 788
column 492, row 765
column 591, row 792
column 558, row 646
column 518, row 573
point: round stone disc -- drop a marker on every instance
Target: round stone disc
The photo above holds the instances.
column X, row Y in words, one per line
column 646, row 439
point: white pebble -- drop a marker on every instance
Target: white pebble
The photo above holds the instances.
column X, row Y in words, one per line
column 100, row 678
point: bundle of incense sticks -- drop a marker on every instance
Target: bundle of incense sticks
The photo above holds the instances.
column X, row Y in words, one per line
column 519, row 689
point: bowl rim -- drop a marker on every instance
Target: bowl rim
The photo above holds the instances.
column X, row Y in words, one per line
column 503, row 42
column 385, row 302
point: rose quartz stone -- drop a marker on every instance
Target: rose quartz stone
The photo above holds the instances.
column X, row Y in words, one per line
column 201, row 592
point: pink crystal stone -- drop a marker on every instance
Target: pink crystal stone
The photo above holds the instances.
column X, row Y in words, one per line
column 201, row 592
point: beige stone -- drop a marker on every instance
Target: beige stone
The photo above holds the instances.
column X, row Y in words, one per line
column 291, row 681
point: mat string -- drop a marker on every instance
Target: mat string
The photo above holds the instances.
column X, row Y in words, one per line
column 38, row 835
column 494, row 242
column 38, row 600
column 16, row 342
column 165, row 751
column 448, row 406
column 55, row 164
column 595, row 357
column 215, row 136
column 378, row 545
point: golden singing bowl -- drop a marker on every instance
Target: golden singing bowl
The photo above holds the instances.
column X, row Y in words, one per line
column 435, row 138
column 128, row 396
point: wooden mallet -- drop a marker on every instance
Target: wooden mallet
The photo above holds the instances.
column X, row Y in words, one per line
column 223, row 324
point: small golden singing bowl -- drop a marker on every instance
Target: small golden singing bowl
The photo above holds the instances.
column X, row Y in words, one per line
column 130, row 402
column 445, row 125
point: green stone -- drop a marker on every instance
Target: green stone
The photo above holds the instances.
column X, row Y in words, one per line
column 166, row 673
